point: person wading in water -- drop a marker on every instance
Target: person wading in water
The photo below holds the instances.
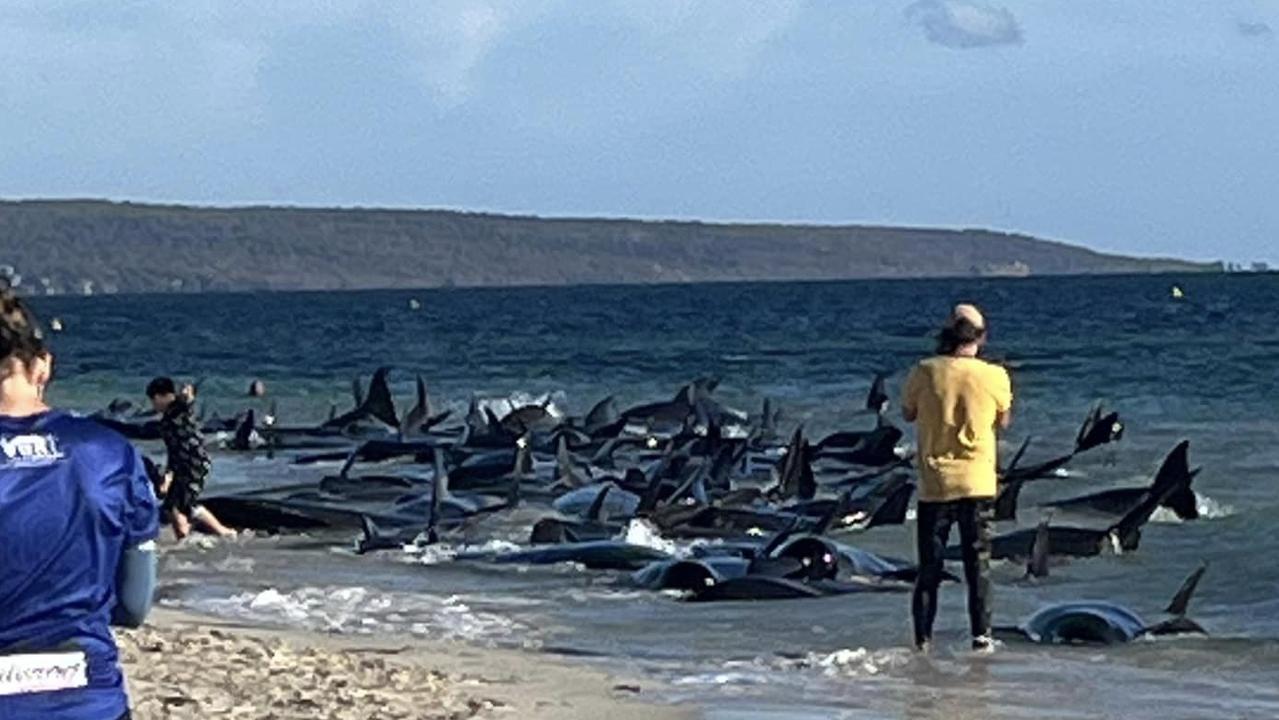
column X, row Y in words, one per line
column 188, row 463
column 958, row 402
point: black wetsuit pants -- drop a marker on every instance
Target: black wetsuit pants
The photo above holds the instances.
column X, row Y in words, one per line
column 932, row 534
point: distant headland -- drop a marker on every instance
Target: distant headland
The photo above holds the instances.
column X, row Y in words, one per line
column 95, row 247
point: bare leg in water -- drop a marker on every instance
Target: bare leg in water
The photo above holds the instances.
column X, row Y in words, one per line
column 181, row 525
column 209, row 522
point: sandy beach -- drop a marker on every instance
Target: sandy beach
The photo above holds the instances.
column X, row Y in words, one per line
column 188, row 666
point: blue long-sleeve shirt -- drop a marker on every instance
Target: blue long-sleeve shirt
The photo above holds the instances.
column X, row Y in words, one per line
column 74, row 500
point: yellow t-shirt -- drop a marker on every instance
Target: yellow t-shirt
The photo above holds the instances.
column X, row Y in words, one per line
column 957, row 402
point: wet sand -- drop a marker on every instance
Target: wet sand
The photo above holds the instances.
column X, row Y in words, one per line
column 188, row 666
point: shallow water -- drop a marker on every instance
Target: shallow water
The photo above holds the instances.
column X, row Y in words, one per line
column 1202, row 369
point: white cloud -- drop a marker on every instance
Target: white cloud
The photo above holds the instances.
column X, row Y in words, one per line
column 963, row 25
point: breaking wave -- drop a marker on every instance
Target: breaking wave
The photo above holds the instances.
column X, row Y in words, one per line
column 1208, row 508
column 644, row 533
column 857, row 662
column 444, row 552
column 359, row 610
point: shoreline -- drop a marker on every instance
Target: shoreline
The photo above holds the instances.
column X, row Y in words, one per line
column 186, row 665
column 307, row 290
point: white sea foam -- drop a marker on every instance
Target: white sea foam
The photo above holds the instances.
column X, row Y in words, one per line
column 1208, row 508
column 1212, row 509
column 859, row 662
column 624, row 595
column 583, row 596
column 444, row 552
column 644, row 533
column 721, row 678
column 230, row 565
column 199, row 542
column 359, row 610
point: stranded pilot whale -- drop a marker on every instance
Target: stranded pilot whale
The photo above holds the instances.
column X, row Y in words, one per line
column 1125, row 535
column 1105, row 623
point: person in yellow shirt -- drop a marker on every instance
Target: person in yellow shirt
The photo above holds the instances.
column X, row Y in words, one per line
column 958, row 403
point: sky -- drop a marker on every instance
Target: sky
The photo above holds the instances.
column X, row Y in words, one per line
column 1137, row 126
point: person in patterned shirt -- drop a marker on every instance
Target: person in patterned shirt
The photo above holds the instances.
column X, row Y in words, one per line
column 188, row 463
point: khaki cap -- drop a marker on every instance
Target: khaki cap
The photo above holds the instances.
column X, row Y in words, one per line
column 965, row 311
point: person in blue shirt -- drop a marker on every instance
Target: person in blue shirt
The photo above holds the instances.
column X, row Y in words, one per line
column 78, row 521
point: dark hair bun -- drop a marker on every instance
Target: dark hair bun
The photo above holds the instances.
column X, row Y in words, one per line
column 957, row 334
column 20, row 334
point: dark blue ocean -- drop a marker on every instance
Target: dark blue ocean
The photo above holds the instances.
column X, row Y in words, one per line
column 1203, row 368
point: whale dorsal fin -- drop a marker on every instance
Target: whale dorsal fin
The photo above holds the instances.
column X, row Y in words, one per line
column 1173, row 474
column 877, row 396
column 370, row 535
column 378, row 402
column 244, row 432
column 1037, row 566
column 1181, row 601
column 441, row 482
column 1021, row 451
column 350, row 461
column 596, row 512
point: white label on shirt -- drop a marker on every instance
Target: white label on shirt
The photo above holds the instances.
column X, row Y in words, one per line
column 29, row 450
column 42, row 672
